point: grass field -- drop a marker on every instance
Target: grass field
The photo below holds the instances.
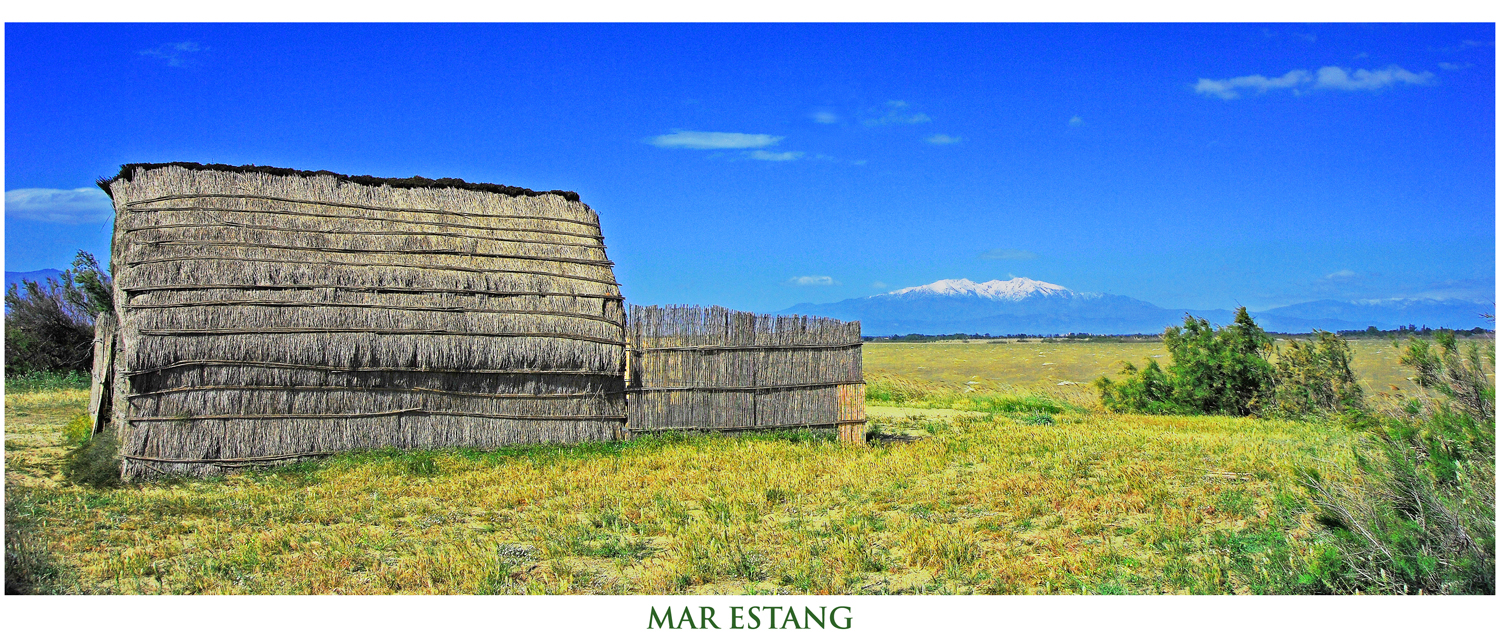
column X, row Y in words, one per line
column 1021, row 486
column 1037, row 499
column 1033, row 364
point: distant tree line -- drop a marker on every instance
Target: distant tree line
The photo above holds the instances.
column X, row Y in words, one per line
column 1407, row 331
column 1403, row 331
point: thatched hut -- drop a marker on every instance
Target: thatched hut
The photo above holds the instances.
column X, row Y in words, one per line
column 269, row 315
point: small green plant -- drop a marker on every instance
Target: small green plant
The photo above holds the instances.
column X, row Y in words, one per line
column 896, row 390
column 886, row 389
column 421, row 464
column 78, row 430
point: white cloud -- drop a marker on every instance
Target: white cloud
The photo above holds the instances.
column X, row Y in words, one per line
column 1362, row 79
column 761, row 154
column 714, row 140
column 806, row 281
column 175, row 54
column 1075, row 121
column 1007, row 254
column 1342, row 273
column 1226, row 88
column 943, row 139
column 1466, row 44
column 1453, row 66
column 826, row 117
column 897, row 112
column 879, row 285
column 1326, row 78
column 66, row 206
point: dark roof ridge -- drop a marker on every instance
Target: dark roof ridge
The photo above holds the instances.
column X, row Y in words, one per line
column 128, row 172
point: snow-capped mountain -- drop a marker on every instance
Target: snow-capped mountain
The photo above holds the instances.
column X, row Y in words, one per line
column 1015, row 306
column 1026, row 306
column 1009, row 290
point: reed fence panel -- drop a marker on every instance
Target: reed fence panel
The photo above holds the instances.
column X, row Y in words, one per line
column 716, row 369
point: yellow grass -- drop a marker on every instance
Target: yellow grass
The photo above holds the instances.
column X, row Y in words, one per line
column 986, row 504
column 1020, row 486
column 1033, row 364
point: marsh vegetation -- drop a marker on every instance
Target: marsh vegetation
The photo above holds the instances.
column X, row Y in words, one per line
column 983, row 487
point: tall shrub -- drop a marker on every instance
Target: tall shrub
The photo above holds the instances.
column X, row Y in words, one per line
column 1457, row 373
column 1423, row 517
column 89, row 285
column 43, row 331
column 1315, row 377
column 1214, row 370
column 49, row 326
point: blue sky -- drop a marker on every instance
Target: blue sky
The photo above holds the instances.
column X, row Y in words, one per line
column 759, row 166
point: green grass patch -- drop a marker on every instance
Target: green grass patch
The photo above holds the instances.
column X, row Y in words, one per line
column 46, row 381
column 888, row 389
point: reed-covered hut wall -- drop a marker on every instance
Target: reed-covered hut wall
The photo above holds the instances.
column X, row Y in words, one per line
column 715, row 369
column 267, row 315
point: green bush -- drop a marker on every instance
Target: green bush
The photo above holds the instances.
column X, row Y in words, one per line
column 1314, row 377
column 1230, row 371
column 1147, row 390
column 1223, row 370
column 1457, row 373
column 49, row 327
column 1423, row 517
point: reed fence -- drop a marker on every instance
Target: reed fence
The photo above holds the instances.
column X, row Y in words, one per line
column 715, row 369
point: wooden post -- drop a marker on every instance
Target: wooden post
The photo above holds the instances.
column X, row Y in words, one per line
column 100, row 378
column 851, row 420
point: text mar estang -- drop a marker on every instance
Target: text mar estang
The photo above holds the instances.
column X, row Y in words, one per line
column 769, row 617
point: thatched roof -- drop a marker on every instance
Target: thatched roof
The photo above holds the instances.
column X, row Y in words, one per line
column 268, row 315
column 128, row 171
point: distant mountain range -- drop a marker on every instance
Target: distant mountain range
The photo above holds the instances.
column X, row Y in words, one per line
column 39, row 276
column 1026, row 306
